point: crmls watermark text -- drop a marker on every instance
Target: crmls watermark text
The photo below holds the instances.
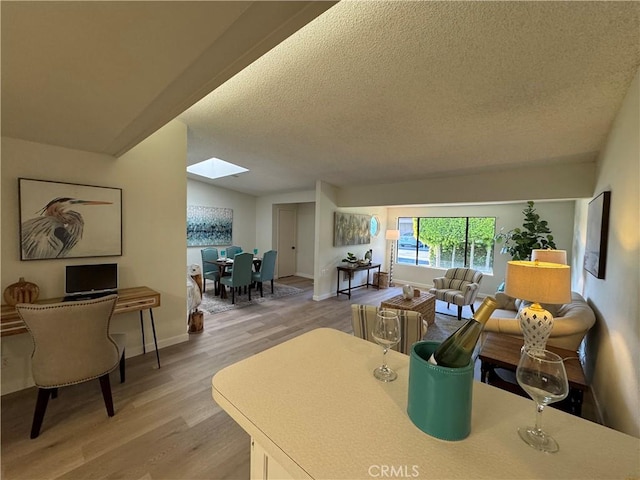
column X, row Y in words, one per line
column 394, row 471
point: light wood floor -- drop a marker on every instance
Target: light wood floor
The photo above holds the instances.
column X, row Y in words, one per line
column 166, row 425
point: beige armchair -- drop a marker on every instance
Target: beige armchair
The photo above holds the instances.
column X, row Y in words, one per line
column 412, row 326
column 458, row 286
column 71, row 344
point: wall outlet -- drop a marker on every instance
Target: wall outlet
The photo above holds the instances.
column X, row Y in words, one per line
column 5, row 361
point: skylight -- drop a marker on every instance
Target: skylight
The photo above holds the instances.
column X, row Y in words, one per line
column 215, row 168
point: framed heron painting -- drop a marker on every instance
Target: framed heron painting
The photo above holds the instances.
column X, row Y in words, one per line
column 68, row 220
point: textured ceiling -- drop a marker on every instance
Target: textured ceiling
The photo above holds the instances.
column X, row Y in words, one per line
column 373, row 92
column 102, row 76
column 367, row 92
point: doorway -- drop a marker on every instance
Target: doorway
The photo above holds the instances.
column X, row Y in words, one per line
column 286, row 241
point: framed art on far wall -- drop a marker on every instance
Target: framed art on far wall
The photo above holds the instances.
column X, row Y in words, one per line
column 595, row 253
column 351, row 229
column 68, row 220
column 209, row 226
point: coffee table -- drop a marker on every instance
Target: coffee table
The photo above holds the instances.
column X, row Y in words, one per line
column 425, row 304
column 503, row 351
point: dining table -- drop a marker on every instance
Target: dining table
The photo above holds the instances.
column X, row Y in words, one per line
column 223, row 264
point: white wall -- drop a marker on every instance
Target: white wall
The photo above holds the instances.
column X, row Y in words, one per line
column 509, row 215
column 154, row 204
column 266, row 225
column 254, row 222
column 306, row 238
column 613, row 345
column 326, row 258
column 244, row 214
column 329, row 257
column 552, row 182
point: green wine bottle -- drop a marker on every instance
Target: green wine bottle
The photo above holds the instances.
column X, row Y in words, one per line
column 456, row 350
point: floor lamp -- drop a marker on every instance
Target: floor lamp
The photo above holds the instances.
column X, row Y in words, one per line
column 393, row 235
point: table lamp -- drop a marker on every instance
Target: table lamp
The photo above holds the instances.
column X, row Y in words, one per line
column 393, row 235
column 548, row 255
column 538, row 282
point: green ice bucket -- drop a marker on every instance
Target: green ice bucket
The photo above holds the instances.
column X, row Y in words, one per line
column 439, row 400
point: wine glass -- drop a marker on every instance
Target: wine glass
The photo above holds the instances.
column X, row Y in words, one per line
column 542, row 375
column 386, row 333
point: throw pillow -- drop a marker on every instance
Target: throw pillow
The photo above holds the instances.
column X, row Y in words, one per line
column 505, row 302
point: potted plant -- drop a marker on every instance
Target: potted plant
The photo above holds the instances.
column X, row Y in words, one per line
column 535, row 233
column 351, row 259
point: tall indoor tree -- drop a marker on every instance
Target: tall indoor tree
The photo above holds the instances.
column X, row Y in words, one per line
column 535, row 233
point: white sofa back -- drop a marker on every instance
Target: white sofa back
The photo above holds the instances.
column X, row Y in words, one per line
column 571, row 324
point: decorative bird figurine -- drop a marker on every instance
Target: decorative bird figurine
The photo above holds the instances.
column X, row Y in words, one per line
column 56, row 231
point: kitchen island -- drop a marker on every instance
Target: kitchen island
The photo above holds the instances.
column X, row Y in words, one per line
column 314, row 410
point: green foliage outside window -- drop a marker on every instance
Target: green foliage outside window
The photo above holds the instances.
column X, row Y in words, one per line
column 457, row 241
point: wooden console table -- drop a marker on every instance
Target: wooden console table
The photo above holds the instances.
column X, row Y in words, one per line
column 134, row 299
column 356, row 268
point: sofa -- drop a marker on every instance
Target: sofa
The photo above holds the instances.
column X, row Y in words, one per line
column 572, row 320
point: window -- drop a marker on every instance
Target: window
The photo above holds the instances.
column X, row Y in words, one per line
column 447, row 242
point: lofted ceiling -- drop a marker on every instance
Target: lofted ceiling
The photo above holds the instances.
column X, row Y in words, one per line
column 366, row 92
column 102, row 76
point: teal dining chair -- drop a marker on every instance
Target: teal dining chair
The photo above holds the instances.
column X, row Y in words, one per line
column 232, row 251
column 267, row 270
column 209, row 270
column 240, row 276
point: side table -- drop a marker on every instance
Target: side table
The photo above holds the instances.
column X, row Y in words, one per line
column 503, row 351
column 425, row 304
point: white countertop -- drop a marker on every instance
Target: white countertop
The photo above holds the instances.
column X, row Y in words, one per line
column 314, row 405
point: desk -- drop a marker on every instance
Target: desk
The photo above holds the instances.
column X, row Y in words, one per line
column 134, row 299
column 503, row 351
column 356, row 268
column 312, row 406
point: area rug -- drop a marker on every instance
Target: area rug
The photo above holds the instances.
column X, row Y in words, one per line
column 214, row 304
column 443, row 326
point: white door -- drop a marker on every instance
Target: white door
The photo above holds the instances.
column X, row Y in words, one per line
column 286, row 242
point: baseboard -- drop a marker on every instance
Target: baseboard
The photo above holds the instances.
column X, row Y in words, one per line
column 21, row 384
column 150, row 347
column 17, row 385
column 305, row 275
column 398, row 282
column 319, row 298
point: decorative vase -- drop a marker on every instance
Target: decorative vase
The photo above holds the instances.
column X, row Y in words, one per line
column 536, row 324
column 407, row 292
column 21, row 292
